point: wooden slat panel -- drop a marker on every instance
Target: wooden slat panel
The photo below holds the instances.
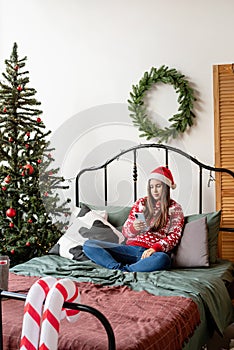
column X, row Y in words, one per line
column 226, row 241
column 223, row 88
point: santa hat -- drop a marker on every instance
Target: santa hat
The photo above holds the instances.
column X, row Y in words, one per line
column 163, row 174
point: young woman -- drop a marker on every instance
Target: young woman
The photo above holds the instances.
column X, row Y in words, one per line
column 148, row 243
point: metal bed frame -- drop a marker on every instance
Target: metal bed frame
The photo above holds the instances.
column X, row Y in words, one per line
column 167, row 149
column 73, row 306
column 104, row 166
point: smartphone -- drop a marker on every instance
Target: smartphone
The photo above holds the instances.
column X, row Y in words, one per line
column 141, row 216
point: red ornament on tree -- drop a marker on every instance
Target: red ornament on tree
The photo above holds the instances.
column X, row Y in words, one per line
column 30, row 221
column 28, row 244
column 16, row 67
column 27, row 145
column 4, row 110
column 19, row 88
column 4, row 188
column 27, row 133
column 38, row 120
column 29, row 169
column 11, row 212
column 10, row 139
column 39, row 161
column 12, row 251
column 11, row 224
column 7, row 179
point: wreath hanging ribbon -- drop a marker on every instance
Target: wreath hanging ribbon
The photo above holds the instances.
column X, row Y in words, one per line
column 179, row 121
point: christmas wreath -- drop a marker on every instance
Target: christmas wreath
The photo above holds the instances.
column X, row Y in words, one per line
column 179, row 121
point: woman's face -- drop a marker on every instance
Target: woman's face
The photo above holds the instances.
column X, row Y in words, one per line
column 156, row 188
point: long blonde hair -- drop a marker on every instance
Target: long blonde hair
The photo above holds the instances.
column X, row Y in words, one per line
column 160, row 218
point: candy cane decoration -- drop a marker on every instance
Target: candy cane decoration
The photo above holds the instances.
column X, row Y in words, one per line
column 33, row 312
column 53, row 293
column 63, row 290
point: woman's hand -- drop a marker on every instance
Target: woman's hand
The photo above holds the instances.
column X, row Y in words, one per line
column 147, row 253
column 139, row 225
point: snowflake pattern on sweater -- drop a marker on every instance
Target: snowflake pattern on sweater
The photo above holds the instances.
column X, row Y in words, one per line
column 166, row 238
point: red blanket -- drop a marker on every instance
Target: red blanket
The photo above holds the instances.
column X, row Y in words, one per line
column 139, row 320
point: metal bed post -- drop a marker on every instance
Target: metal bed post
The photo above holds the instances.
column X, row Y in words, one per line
column 135, row 174
column 68, row 305
column 105, row 184
column 166, row 158
column 200, row 189
column 1, row 330
column 77, row 191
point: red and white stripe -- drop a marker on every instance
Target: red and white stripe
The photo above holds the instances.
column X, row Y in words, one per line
column 42, row 330
column 63, row 290
column 33, row 312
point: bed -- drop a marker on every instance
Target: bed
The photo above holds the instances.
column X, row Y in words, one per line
column 177, row 309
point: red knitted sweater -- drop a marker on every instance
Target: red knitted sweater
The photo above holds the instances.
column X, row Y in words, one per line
column 166, row 238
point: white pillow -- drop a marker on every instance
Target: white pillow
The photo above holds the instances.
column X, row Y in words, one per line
column 92, row 225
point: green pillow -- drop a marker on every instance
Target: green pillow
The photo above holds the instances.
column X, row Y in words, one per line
column 117, row 215
column 213, row 224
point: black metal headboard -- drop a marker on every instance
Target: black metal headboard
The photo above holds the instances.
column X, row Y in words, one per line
column 134, row 150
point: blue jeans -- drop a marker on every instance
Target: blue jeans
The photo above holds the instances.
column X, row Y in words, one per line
column 124, row 257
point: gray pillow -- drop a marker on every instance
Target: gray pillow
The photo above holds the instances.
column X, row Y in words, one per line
column 192, row 250
column 213, row 224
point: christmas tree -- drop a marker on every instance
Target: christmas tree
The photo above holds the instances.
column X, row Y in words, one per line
column 32, row 214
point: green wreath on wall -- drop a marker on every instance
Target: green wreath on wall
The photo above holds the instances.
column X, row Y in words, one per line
column 179, row 121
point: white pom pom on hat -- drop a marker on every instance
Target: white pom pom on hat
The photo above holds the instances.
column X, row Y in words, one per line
column 163, row 174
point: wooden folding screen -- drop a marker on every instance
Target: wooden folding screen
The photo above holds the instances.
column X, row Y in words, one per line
column 223, row 87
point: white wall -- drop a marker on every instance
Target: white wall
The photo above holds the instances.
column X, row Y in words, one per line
column 84, row 56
